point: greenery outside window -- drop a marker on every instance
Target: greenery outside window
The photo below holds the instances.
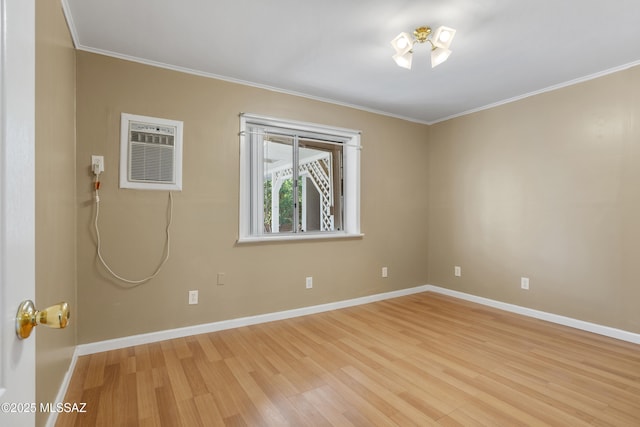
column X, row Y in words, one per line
column 297, row 180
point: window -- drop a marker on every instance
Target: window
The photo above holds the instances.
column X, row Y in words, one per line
column 297, row 180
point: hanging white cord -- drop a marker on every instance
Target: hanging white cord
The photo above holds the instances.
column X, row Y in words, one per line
column 99, row 242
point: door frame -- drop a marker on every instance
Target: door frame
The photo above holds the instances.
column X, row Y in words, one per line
column 17, row 207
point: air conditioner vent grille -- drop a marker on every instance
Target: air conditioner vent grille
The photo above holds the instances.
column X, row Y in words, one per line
column 151, row 162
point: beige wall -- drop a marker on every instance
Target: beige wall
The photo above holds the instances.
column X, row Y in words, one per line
column 55, row 194
column 260, row 278
column 548, row 188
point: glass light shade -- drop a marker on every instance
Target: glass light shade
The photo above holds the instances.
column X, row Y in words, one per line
column 403, row 60
column 438, row 56
column 402, row 43
column 443, row 36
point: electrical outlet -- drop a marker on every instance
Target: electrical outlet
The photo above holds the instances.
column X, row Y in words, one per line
column 385, row 272
column 524, row 283
column 97, row 164
column 193, row 297
column 309, row 282
column 220, row 280
column 457, row 271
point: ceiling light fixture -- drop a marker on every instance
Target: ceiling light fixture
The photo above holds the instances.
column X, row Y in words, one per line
column 440, row 41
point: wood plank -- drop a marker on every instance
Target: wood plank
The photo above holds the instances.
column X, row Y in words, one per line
column 279, row 393
column 146, row 396
column 222, row 386
column 179, row 383
column 95, row 371
column 210, row 351
column 168, row 406
column 325, row 400
column 269, row 412
column 208, row 410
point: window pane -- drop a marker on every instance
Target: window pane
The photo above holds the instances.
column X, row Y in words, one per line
column 287, row 206
column 278, row 184
column 319, row 172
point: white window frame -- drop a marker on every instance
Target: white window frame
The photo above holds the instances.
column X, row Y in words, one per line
column 351, row 181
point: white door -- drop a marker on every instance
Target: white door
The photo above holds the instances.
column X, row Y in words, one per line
column 17, row 208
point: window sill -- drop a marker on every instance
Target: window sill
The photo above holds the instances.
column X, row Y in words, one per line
column 298, row 237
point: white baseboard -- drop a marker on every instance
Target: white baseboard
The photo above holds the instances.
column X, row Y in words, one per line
column 117, row 343
column 549, row 317
column 64, row 386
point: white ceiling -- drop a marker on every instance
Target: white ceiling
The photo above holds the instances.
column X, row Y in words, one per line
column 338, row 50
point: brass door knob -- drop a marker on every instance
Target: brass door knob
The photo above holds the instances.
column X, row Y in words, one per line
column 27, row 318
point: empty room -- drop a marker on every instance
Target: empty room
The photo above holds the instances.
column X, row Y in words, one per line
column 340, row 213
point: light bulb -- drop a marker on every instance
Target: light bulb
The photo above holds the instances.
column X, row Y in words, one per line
column 443, row 37
column 404, row 60
column 402, row 43
column 438, row 56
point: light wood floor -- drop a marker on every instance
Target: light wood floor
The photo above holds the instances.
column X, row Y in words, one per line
column 421, row 360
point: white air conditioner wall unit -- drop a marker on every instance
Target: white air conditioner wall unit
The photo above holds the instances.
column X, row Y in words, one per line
column 150, row 153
